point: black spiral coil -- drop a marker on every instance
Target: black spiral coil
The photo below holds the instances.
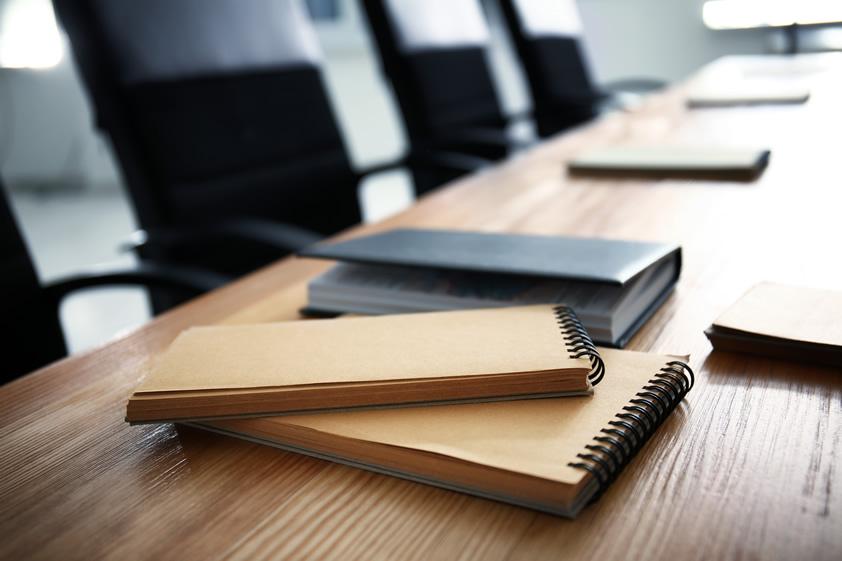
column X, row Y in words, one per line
column 630, row 429
column 578, row 342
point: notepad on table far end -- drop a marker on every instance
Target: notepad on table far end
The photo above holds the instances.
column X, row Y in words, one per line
column 693, row 162
column 779, row 321
column 270, row 369
column 710, row 97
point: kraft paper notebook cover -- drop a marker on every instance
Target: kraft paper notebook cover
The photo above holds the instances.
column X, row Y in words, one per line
column 267, row 369
column 553, row 455
column 774, row 320
column 693, row 162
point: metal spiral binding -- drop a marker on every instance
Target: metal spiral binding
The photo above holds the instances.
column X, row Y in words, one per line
column 630, row 429
column 578, row 342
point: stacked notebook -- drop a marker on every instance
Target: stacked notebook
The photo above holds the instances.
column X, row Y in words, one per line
column 446, row 398
column 774, row 320
column 614, row 285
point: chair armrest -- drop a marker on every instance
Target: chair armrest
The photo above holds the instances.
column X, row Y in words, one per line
column 374, row 169
column 145, row 274
column 634, row 85
column 448, row 161
column 431, row 159
column 625, row 94
column 485, row 136
column 284, row 237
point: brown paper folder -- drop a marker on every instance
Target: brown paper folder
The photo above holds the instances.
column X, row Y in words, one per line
column 268, row 369
column 553, row 455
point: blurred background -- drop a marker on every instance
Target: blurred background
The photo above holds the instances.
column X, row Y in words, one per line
column 66, row 188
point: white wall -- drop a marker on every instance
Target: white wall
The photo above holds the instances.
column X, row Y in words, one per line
column 50, row 126
column 663, row 39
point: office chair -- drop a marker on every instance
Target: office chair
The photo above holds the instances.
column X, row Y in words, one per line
column 32, row 336
column 547, row 35
column 221, row 124
column 222, row 127
column 433, row 52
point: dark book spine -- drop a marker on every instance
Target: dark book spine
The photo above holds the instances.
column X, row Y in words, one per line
column 615, row 446
column 579, row 343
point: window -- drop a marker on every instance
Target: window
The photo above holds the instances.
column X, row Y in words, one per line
column 29, row 36
column 745, row 14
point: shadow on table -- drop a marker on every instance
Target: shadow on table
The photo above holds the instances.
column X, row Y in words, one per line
column 730, row 368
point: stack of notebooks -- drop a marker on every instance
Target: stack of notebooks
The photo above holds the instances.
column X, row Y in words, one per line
column 779, row 321
column 513, row 404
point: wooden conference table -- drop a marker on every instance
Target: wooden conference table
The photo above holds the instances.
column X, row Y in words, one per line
column 750, row 467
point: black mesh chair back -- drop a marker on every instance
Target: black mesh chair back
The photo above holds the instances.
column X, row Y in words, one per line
column 547, row 35
column 215, row 109
column 433, row 53
column 32, row 334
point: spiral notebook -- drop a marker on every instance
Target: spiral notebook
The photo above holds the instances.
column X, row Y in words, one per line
column 555, row 455
column 270, row 369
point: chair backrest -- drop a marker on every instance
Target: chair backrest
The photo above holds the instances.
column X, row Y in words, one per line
column 32, row 334
column 548, row 38
column 434, row 54
column 215, row 109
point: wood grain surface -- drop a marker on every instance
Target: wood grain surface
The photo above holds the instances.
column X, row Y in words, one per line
column 750, row 467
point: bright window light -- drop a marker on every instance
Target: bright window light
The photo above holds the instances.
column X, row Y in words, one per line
column 29, row 36
column 746, row 14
